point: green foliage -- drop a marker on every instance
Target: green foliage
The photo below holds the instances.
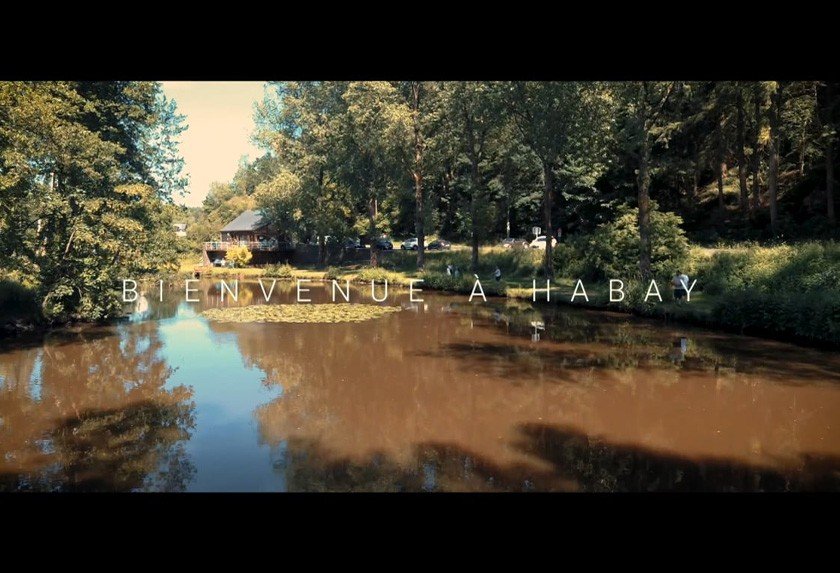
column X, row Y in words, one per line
column 331, row 313
column 612, row 251
column 284, row 271
column 125, row 235
column 239, row 256
column 520, row 263
column 332, row 273
column 805, row 267
column 17, row 301
column 86, row 172
column 809, row 316
column 463, row 284
column 788, row 289
column 378, row 274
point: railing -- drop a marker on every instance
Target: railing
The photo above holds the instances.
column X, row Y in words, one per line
column 252, row 245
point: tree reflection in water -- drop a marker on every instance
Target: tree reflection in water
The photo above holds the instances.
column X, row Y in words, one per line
column 459, row 397
column 444, row 395
column 95, row 416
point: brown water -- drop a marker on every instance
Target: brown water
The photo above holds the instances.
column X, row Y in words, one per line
column 445, row 395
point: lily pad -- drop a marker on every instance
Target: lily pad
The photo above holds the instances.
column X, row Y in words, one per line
column 300, row 313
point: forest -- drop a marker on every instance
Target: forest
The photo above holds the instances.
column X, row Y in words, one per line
column 732, row 180
column 476, row 161
column 88, row 174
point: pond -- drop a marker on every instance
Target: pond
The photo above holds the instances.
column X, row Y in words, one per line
column 443, row 395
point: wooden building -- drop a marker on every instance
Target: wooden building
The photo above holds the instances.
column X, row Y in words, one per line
column 250, row 230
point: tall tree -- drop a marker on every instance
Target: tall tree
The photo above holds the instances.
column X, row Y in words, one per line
column 776, row 101
column 372, row 128
column 417, row 173
column 85, row 204
column 473, row 110
column 564, row 125
column 755, row 157
column 720, row 153
column 645, row 122
column 740, row 149
column 302, row 123
column 827, row 100
column 418, row 116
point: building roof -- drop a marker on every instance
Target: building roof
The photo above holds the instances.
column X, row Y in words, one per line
column 246, row 221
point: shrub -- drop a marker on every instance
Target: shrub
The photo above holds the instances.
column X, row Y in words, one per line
column 370, row 274
column 813, row 316
column 284, row 271
column 16, row 300
column 795, row 268
column 570, row 259
column 332, row 273
column 789, row 289
column 238, row 256
column 522, row 263
column 461, row 284
column 612, row 251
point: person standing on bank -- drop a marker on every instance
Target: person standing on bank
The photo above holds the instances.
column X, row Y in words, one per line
column 680, row 285
column 497, row 274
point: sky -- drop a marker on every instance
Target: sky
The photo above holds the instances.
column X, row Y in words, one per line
column 220, row 123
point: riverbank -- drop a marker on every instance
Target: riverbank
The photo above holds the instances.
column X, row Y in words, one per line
column 787, row 292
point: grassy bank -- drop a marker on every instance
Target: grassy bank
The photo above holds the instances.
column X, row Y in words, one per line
column 788, row 291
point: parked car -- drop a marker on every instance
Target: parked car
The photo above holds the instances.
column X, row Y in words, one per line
column 347, row 242
column 539, row 242
column 511, row 243
column 219, row 263
column 439, row 245
column 409, row 245
column 382, row 244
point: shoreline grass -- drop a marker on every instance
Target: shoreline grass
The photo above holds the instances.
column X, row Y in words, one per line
column 788, row 292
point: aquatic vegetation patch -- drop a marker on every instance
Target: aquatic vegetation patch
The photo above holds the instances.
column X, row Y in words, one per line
column 300, row 313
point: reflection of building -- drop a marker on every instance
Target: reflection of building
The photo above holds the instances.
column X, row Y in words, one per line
column 250, row 230
column 180, row 229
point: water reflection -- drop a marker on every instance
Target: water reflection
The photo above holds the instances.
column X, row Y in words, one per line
column 91, row 412
column 445, row 395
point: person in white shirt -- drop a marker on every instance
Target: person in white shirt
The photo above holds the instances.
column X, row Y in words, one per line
column 680, row 284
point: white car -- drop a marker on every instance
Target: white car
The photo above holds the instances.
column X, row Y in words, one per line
column 539, row 242
column 409, row 245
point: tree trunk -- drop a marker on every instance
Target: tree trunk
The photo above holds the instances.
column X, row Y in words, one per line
column 829, row 181
column 374, row 259
column 447, row 193
column 755, row 159
column 548, row 193
column 475, row 184
column 826, row 103
column 322, row 251
column 720, row 164
column 773, row 175
column 474, row 174
column 417, row 175
column 507, row 211
column 695, row 176
column 742, row 155
column 644, row 208
column 695, row 182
